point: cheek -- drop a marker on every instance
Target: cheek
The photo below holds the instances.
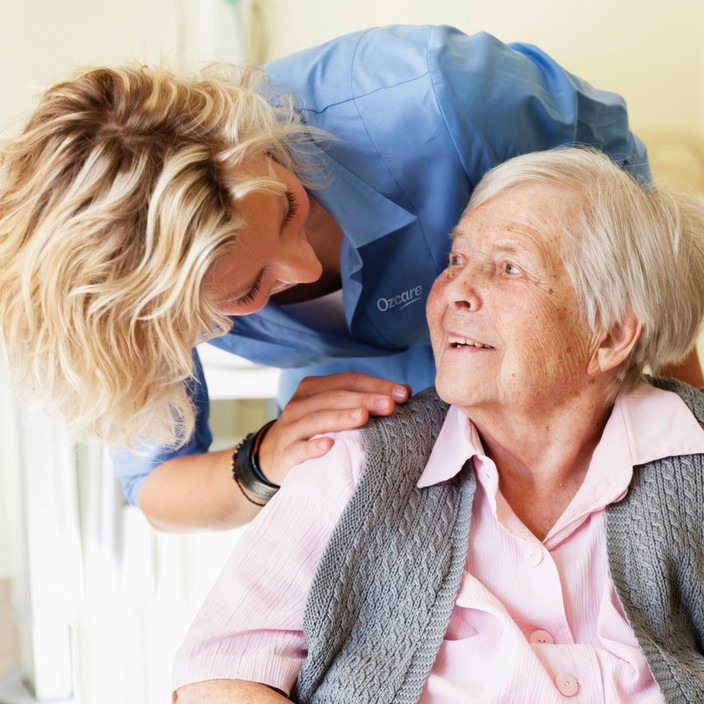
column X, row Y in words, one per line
column 561, row 342
column 435, row 306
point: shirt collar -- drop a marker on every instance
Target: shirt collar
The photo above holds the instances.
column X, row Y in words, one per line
column 363, row 213
column 457, row 442
column 645, row 425
column 657, row 424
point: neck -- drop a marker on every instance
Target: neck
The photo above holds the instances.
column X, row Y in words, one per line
column 542, row 459
column 325, row 236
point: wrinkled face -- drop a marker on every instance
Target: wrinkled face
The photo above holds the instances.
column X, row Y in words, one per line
column 504, row 320
column 272, row 252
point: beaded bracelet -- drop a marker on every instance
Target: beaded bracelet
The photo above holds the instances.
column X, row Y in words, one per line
column 245, row 468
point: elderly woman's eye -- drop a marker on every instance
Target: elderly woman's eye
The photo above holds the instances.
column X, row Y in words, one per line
column 455, row 260
column 512, row 269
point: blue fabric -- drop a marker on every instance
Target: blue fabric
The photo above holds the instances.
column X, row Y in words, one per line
column 420, row 113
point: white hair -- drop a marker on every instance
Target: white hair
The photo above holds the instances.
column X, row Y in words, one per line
column 625, row 246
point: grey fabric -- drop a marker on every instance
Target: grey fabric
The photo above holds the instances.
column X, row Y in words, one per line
column 655, row 538
column 381, row 600
column 385, row 587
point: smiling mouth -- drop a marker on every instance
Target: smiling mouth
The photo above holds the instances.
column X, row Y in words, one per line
column 457, row 342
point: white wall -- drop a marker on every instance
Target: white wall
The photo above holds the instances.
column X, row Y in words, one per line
column 41, row 40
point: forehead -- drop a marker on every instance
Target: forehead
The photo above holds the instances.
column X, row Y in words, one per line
column 524, row 217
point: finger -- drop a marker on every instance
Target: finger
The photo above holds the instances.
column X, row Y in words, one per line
column 286, row 444
column 319, row 423
column 317, row 447
column 296, row 454
column 335, row 400
column 353, row 381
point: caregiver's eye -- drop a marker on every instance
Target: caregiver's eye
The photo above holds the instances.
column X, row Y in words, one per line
column 252, row 293
column 292, row 208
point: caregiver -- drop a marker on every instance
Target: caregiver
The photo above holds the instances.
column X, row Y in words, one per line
column 143, row 212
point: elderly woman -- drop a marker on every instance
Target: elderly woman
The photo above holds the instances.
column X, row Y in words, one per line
column 143, row 211
column 538, row 539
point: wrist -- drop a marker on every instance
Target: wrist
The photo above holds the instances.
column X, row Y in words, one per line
column 255, row 487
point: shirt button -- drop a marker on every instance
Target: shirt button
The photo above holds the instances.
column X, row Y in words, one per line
column 541, row 637
column 567, row 684
column 534, row 557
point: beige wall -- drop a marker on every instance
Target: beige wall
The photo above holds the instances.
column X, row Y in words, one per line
column 43, row 40
column 40, row 40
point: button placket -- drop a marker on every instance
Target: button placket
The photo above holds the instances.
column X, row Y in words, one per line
column 534, row 556
column 567, row 684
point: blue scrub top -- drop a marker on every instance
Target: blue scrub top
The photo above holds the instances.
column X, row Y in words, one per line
column 420, row 113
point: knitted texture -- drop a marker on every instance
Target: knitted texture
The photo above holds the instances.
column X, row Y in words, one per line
column 655, row 538
column 386, row 585
column 382, row 597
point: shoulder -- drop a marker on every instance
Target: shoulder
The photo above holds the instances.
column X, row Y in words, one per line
column 665, row 496
column 694, row 398
column 333, row 475
column 379, row 58
column 412, row 427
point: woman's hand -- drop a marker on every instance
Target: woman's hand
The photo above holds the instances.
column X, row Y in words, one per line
column 197, row 491
column 324, row 404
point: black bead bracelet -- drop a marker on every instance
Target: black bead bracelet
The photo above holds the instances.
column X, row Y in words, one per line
column 245, row 468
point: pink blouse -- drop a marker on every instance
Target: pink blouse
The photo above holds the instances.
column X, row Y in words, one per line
column 533, row 621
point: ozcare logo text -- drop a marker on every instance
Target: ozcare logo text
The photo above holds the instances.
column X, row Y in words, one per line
column 400, row 300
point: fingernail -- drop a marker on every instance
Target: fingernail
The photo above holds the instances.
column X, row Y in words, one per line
column 399, row 393
column 382, row 403
column 356, row 414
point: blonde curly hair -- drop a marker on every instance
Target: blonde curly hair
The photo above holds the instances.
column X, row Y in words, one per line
column 116, row 198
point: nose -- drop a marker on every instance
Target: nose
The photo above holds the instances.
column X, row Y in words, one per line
column 297, row 263
column 462, row 292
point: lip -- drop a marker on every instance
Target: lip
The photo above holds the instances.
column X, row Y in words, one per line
column 462, row 342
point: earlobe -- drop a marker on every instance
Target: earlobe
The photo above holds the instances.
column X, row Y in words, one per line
column 616, row 345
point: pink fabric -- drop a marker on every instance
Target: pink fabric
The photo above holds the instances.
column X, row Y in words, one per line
column 537, row 621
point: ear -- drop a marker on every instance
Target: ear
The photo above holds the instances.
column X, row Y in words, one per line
column 616, row 345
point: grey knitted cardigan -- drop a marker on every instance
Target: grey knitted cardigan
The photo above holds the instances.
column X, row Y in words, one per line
column 382, row 596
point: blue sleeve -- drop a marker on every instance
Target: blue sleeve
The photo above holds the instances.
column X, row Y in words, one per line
column 132, row 468
column 501, row 100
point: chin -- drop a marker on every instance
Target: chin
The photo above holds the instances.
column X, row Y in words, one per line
column 449, row 390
